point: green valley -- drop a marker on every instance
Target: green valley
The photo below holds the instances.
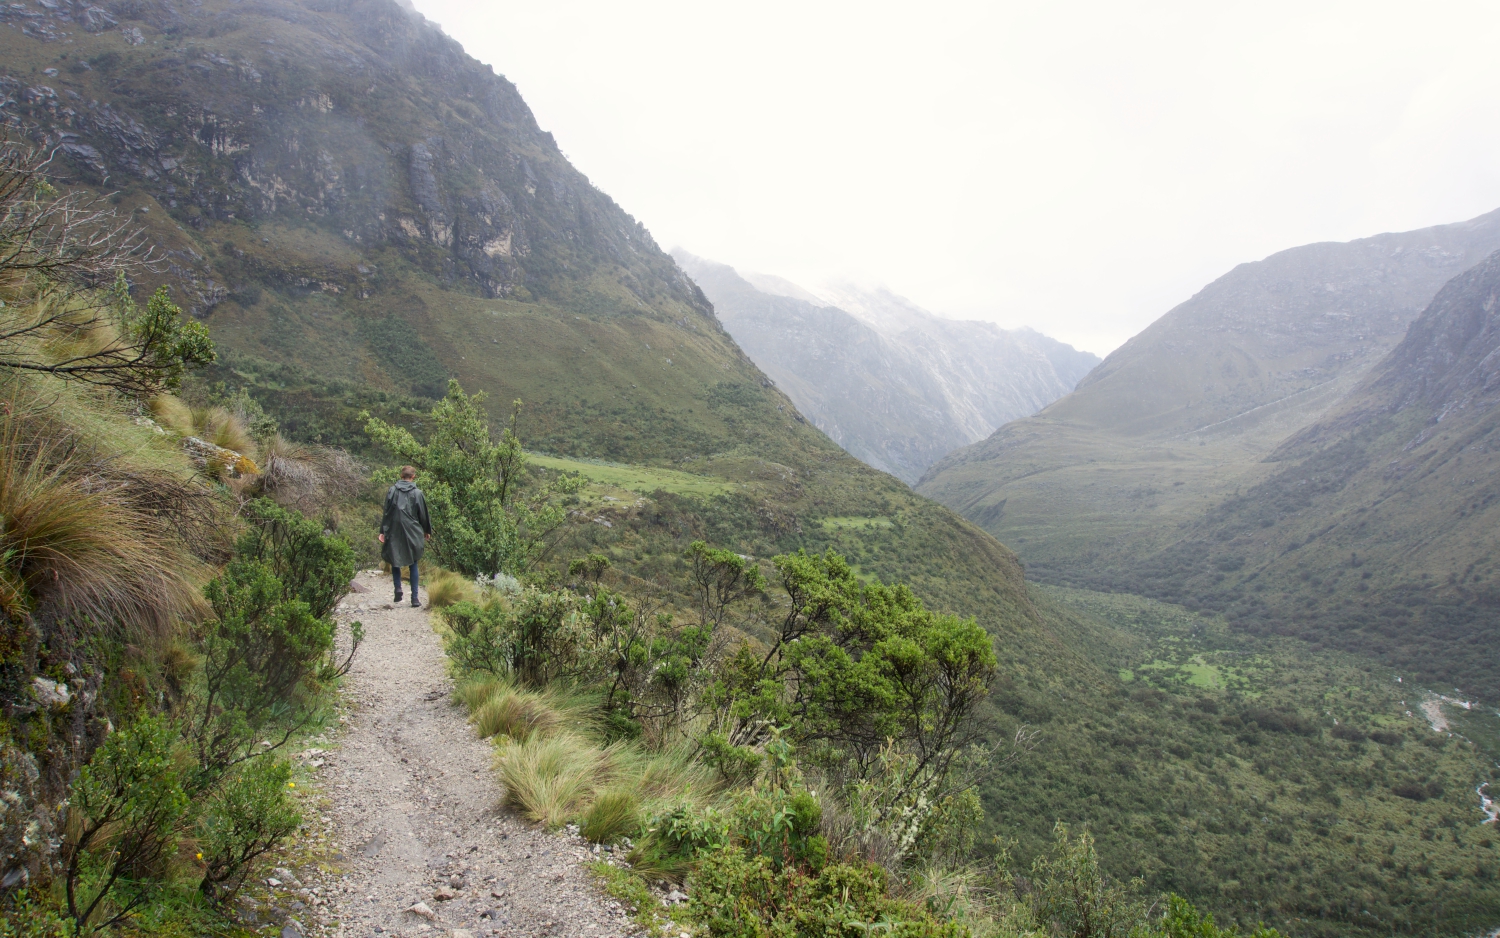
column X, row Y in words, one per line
column 360, row 213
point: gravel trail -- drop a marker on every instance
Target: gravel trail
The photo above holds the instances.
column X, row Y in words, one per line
column 416, row 806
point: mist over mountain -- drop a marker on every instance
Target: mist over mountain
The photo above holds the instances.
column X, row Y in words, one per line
column 895, row 385
column 1379, row 529
column 359, row 211
column 1194, row 415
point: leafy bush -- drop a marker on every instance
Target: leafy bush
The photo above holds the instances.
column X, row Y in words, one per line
column 1071, row 893
column 537, row 636
column 126, row 805
column 248, row 816
column 311, row 565
column 737, row 894
column 260, row 650
column 1182, row 920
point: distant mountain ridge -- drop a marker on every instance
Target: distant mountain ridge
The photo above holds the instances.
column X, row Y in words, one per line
column 895, row 385
column 1247, row 451
column 1379, row 530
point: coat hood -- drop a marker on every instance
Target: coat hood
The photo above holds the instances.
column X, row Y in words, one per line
column 405, row 485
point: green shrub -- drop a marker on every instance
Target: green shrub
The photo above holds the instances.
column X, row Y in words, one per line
column 260, row 651
column 1070, row 891
column 248, row 816
column 537, row 636
column 1182, row 920
column 736, row 894
column 127, row 804
column 310, row 564
column 783, row 826
column 32, row 913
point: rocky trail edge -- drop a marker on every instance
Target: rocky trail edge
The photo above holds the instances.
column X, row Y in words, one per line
column 424, row 846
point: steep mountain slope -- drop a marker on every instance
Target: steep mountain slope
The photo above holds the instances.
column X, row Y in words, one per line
column 897, row 317
column 1377, row 530
column 1182, row 415
column 893, row 384
column 360, row 211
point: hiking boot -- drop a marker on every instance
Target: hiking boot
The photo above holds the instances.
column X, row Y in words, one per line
column 415, row 602
column 399, row 597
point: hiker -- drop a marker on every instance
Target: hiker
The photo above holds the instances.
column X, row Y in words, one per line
column 405, row 530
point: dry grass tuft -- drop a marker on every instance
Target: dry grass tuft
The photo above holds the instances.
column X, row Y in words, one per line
column 444, row 588
column 548, row 778
column 555, row 771
column 308, row 477
column 170, row 411
column 82, row 537
column 223, row 429
column 516, row 713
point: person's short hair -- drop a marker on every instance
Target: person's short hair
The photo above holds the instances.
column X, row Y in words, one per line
column 408, row 472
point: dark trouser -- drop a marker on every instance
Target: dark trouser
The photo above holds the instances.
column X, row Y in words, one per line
column 412, row 570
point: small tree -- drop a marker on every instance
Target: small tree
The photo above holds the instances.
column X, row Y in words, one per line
column 867, row 682
column 258, row 650
column 246, row 818
column 489, row 515
column 721, row 578
column 1072, row 894
column 126, row 806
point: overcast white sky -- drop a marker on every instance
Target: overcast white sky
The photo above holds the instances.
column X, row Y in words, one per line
column 1076, row 167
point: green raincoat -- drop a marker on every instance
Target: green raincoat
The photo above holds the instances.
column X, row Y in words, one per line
column 405, row 525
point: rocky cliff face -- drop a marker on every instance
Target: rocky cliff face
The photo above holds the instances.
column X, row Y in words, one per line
column 353, row 116
column 893, row 384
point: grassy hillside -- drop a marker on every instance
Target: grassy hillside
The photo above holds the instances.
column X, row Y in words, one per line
column 1182, row 415
column 360, row 212
column 1375, row 530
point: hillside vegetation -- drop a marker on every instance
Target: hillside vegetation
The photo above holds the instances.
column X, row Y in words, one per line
column 1290, row 447
column 1375, row 530
column 1183, row 415
column 360, row 213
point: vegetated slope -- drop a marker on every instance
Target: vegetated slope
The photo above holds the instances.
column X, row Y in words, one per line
column 360, row 211
column 891, row 383
column 1377, row 529
column 1182, row 415
column 338, row 242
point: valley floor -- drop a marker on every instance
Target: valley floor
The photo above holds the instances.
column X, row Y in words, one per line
column 416, row 807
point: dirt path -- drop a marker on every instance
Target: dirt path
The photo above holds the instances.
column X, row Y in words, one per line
column 415, row 803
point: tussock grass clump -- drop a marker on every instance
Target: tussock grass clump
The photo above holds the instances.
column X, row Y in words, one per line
column 549, row 779
column 613, row 815
column 556, row 769
column 444, row 588
column 172, row 413
column 308, row 477
column 565, row 777
column 82, row 539
column 515, row 713
column 222, row 428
